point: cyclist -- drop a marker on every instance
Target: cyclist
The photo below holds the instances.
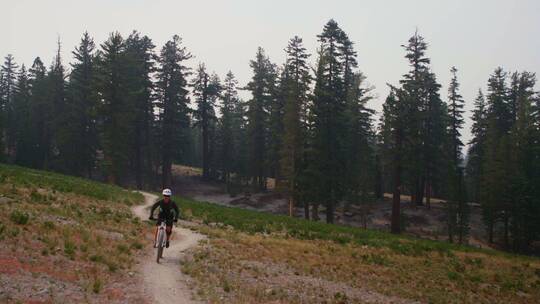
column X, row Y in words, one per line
column 168, row 212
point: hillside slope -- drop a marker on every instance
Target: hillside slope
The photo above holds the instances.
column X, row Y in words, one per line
column 76, row 241
column 66, row 239
column 256, row 257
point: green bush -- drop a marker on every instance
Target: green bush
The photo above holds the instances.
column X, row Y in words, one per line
column 19, row 218
column 2, row 229
column 48, row 225
column 69, row 249
column 96, row 287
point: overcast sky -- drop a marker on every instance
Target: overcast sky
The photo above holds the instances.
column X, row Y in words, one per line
column 475, row 36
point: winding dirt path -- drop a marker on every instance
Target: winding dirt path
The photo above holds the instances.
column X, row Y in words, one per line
column 164, row 282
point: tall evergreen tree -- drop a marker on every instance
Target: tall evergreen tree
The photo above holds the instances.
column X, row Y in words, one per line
column 278, row 82
column 455, row 113
column 57, row 98
column 262, row 89
column 116, row 111
column 457, row 208
column 7, row 119
column 41, row 115
column 21, row 112
column 296, row 88
column 522, row 206
column 79, row 133
column 141, row 68
column 425, row 129
column 229, row 130
column 392, row 138
column 173, row 100
column 205, row 92
column 359, row 146
column 476, row 153
column 493, row 187
column 328, row 110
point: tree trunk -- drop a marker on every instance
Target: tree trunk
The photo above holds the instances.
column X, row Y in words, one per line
column 506, row 231
column 315, row 212
column 306, row 210
column 291, row 206
column 378, row 179
column 395, row 226
column 490, row 232
column 205, row 160
column 428, row 194
column 330, row 212
column 138, row 167
column 420, row 187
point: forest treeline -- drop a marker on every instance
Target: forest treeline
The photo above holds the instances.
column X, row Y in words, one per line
column 125, row 111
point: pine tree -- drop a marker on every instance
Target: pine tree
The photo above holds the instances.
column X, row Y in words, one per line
column 522, row 206
column 359, row 146
column 328, row 110
column 475, row 154
column 392, row 137
column 426, row 120
column 57, row 98
column 415, row 111
column 278, row 81
column 205, row 92
column 457, row 208
column 261, row 87
column 79, row 134
column 228, row 131
column 7, row 119
column 21, row 112
column 141, row 65
column 41, row 116
column 296, row 90
column 493, row 188
column 215, row 94
column 455, row 112
column 173, row 100
column 116, row 111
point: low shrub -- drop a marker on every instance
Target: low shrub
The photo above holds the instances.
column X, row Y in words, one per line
column 19, row 217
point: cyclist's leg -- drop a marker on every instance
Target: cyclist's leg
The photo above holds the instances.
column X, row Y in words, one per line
column 158, row 222
column 168, row 228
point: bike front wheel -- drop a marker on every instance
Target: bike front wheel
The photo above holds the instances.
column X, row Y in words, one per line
column 160, row 246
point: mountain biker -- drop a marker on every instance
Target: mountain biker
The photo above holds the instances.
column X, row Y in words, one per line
column 168, row 212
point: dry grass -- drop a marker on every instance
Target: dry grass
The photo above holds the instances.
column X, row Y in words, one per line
column 64, row 246
column 242, row 268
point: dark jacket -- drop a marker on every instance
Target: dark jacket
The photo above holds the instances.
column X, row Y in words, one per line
column 167, row 211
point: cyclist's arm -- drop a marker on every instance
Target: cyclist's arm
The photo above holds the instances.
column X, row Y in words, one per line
column 176, row 211
column 154, row 206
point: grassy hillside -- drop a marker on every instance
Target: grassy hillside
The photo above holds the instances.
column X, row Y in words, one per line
column 255, row 257
column 73, row 240
column 65, row 238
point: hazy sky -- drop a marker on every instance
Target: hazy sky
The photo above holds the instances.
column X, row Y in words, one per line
column 475, row 36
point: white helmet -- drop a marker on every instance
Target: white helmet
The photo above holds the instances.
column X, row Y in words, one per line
column 167, row 192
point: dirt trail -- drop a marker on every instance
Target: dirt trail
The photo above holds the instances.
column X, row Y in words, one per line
column 164, row 282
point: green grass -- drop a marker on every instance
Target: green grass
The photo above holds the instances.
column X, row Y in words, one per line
column 261, row 222
column 25, row 177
